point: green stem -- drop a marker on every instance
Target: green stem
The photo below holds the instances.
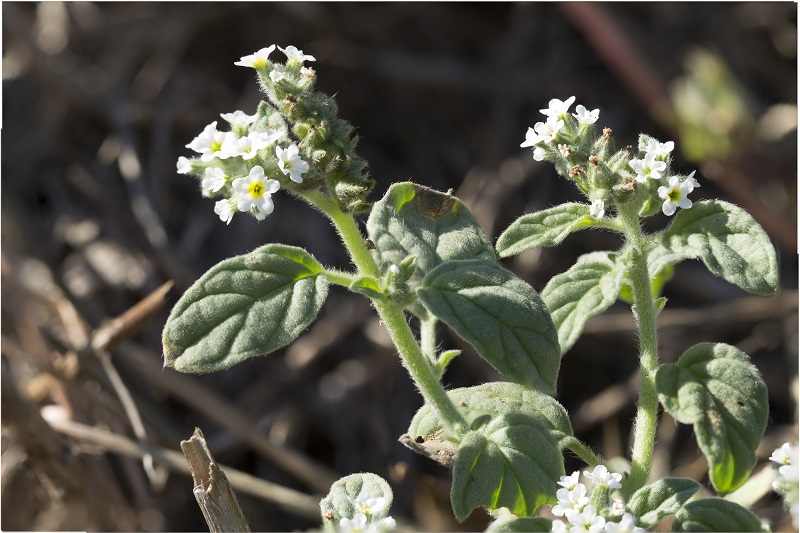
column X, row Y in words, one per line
column 416, row 362
column 337, row 277
column 427, row 337
column 645, row 311
column 584, row 452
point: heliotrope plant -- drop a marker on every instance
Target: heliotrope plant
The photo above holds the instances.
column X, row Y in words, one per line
column 425, row 256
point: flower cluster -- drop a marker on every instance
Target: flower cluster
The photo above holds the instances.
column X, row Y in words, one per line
column 787, row 462
column 570, row 142
column 367, row 508
column 578, row 505
column 247, row 163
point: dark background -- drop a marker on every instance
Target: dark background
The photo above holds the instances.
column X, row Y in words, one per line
column 99, row 101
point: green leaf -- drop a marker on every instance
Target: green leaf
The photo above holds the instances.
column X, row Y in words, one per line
column 434, row 226
column 244, row 306
column 368, row 286
column 337, row 505
column 543, row 228
column 730, row 243
column 500, row 315
column 585, row 290
column 716, row 388
column 715, row 514
column 653, row 502
column 512, row 462
column 521, row 524
column 496, row 398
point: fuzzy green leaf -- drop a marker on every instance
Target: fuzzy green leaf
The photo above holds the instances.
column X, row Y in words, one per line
column 520, row 524
column 495, row 399
column 244, row 306
column 543, row 228
column 665, row 497
column 500, row 315
column 716, row 388
column 512, row 461
column 585, row 290
column 730, row 243
column 337, row 504
column 368, row 286
column 715, row 514
column 435, row 227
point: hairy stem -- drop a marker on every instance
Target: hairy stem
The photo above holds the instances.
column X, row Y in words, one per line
column 416, row 362
column 427, row 337
column 645, row 311
column 584, row 452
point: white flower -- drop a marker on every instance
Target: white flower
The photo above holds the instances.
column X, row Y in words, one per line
column 225, row 210
column 617, row 507
column 276, row 76
column 547, row 131
column 239, row 121
column 691, row 181
column 290, row 162
column 209, row 143
column 568, row 500
column 298, row 55
column 367, row 504
column 782, row 455
column 601, row 477
column 539, row 153
column 556, row 107
column 647, row 167
column 184, row 165
column 258, row 60
column 255, row 193
column 358, row 523
column 790, row 472
column 307, row 72
column 585, row 116
column 558, row 527
column 597, row 209
column 571, row 481
column 658, row 149
column 387, row 524
column 586, row 520
column 626, row 525
column 247, row 147
column 531, row 138
column 214, row 181
column 674, row 195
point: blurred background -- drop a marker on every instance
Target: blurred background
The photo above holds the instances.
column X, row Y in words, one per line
column 99, row 100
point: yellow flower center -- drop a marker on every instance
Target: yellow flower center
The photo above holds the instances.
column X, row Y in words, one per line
column 216, row 146
column 674, row 195
column 256, row 189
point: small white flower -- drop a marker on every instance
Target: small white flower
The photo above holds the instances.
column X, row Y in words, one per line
column 367, row 504
column 290, row 162
column 387, row 524
column 585, row 116
column 209, row 143
column 586, row 520
column 597, row 209
column 531, row 138
column 674, row 195
column 658, row 149
column 626, row 525
column 790, row 472
column 617, row 507
column 255, row 192
column 307, row 72
column 215, row 180
column 258, row 60
column 782, row 455
column 547, row 131
column 239, row 121
column 298, row 55
column 358, row 523
column 691, row 181
column 568, row 500
column 571, row 481
column 225, row 210
column 184, row 165
column 558, row 527
column 556, row 107
column 539, row 153
column 394, row 269
column 601, row 477
column 647, row 167
column 276, row 76
column 247, row 147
